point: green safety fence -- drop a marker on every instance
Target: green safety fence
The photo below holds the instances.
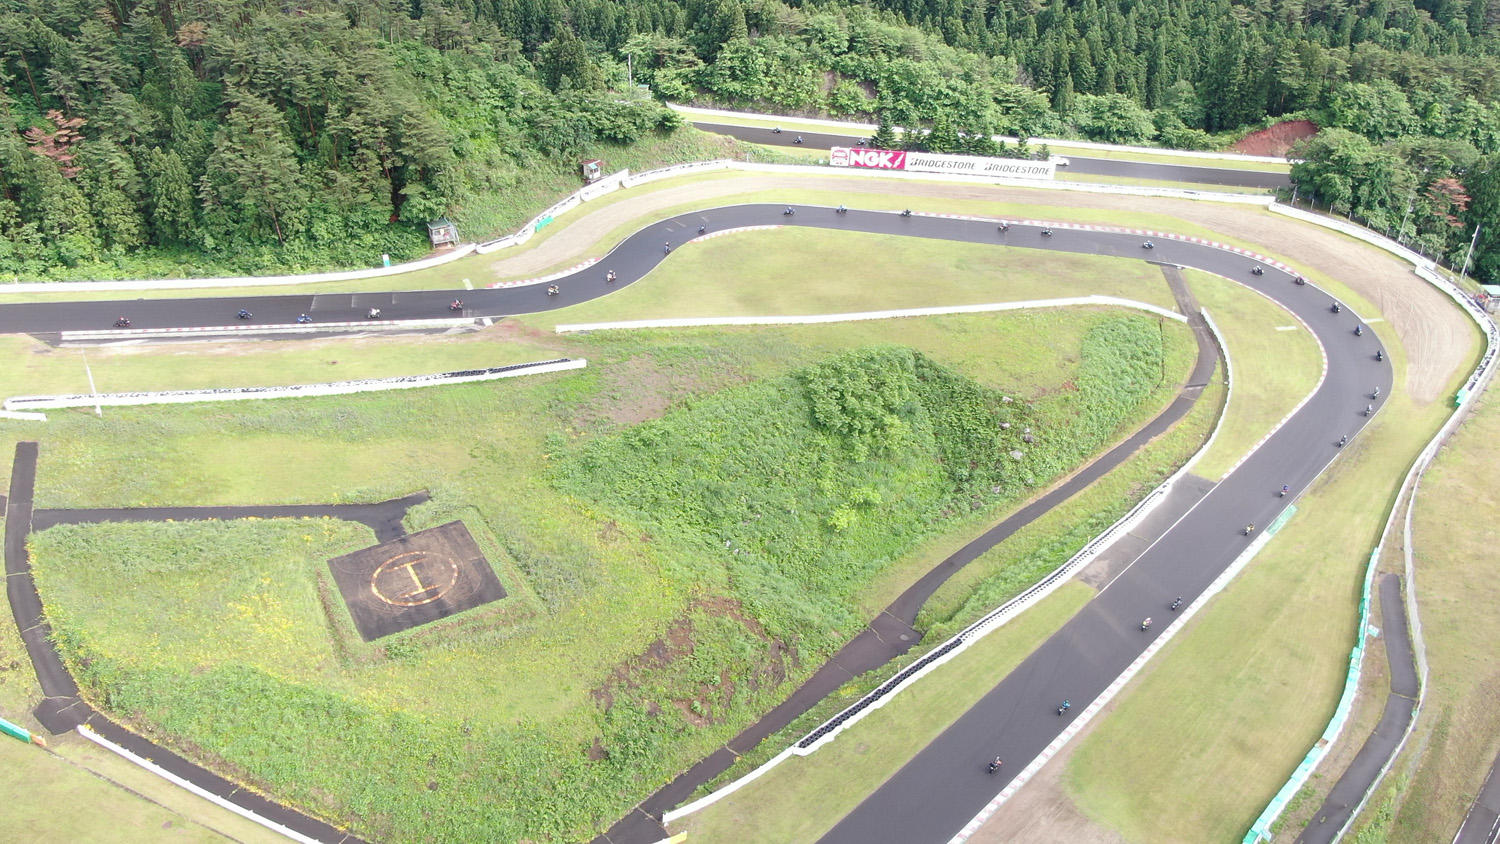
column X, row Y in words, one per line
column 18, row 732
column 1261, row 829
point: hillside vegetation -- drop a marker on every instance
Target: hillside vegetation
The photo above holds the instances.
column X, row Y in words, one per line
column 160, row 137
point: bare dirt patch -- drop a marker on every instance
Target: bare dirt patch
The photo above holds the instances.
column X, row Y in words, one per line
column 1276, row 140
column 641, row 388
column 665, row 655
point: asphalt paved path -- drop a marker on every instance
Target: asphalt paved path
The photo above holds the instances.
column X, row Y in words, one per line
column 945, row 785
column 1076, row 163
column 1380, row 746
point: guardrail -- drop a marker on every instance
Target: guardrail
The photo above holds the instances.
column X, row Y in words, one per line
column 333, row 388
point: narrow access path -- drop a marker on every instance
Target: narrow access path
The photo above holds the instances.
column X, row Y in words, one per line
column 892, row 633
column 63, row 709
column 1376, row 752
column 385, row 518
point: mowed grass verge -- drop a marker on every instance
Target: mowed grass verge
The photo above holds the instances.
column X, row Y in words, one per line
column 1275, row 362
column 1458, row 734
column 809, row 271
column 544, row 657
column 1249, row 688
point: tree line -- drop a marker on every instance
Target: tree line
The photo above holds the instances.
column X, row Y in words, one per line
column 270, row 135
column 325, row 131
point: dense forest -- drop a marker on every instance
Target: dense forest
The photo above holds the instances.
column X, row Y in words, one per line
column 323, row 131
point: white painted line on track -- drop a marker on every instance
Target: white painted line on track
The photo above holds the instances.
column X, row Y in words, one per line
column 1286, row 328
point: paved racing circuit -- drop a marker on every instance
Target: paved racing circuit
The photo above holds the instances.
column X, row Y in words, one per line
column 1121, row 167
column 935, row 794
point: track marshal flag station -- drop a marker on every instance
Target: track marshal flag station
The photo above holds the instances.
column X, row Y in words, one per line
column 929, row 162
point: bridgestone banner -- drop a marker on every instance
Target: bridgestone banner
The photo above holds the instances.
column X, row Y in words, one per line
column 931, row 162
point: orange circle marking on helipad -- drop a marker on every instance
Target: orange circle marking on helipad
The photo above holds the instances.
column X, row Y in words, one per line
column 413, row 579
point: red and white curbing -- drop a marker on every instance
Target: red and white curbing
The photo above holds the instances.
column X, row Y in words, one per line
column 740, row 230
column 553, row 277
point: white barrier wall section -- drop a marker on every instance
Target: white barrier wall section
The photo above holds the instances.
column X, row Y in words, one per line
column 206, row 795
column 243, row 329
column 814, row 319
column 335, row 388
column 857, row 128
column 992, row 621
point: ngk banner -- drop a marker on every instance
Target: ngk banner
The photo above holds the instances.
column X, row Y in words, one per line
column 931, row 162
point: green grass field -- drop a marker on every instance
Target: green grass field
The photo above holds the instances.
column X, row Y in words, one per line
column 288, row 479
column 1257, row 331
column 765, row 273
column 563, row 558
column 812, row 793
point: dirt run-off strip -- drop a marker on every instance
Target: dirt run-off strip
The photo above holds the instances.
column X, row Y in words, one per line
column 891, row 633
column 62, row 708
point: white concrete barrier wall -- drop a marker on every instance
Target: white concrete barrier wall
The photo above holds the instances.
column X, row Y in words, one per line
column 335, row 388
column 815, row 319
column 125, row 334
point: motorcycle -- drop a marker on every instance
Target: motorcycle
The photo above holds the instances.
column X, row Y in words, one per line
column 456, row 305
column 122, row 322
column 1148, row 245
column 1256, row 270
column 552, row 290
column 303, row 319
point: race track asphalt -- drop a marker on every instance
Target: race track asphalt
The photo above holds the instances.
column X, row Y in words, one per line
column 940, row 789
column 1076, row 164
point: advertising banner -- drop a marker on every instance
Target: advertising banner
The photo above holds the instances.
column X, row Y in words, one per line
column 931, row 162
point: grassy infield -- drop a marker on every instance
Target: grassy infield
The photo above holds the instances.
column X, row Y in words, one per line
column 221, row 448
column 1281, row 576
